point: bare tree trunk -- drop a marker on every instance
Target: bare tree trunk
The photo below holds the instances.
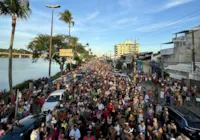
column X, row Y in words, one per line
column 69, row 29
column 10, row 51
column 61, row 67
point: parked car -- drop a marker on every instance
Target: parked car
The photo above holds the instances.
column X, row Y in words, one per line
column 187, row 121
column 23, row 131
column 53, row 99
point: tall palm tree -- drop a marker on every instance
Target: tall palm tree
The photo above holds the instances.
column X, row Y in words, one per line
column 66, row 16
column 15, row 9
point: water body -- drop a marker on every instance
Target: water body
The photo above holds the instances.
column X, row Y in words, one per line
column 24, row 69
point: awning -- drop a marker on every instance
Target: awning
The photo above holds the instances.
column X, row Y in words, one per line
column 171, row 42
column 181, row 32
column 177, row 76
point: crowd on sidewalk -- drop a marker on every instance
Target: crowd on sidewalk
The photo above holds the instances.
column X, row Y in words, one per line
column 103, row 106
column 169, row 88
column 27, row 99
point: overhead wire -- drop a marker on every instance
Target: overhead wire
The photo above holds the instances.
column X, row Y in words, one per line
column 172, row 22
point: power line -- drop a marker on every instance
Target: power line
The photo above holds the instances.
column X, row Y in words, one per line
column 172, row 23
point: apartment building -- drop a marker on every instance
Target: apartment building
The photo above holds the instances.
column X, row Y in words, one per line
column 127, row 47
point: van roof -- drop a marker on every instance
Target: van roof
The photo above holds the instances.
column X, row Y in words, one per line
column 57, row 92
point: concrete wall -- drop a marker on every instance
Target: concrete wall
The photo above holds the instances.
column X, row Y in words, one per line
column 183, row 52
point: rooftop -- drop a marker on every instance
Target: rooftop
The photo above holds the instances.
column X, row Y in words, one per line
column 58, row 92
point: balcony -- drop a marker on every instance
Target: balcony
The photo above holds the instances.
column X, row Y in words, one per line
column 169, row 51
column 179, row 39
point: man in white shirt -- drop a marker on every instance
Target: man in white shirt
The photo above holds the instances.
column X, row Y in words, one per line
column 35, row 135
column 146, row 99
column 100, row 106
column 158, row 110
column 162, row 96
column 75, row 133
column 142, row 127
column 48, row 118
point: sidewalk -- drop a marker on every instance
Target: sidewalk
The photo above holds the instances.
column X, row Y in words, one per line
column 191, row 107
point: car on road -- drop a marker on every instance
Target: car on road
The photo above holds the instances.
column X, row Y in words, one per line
column 53, row 99
column 187, row 121
column 23, row 131
column 123, row 76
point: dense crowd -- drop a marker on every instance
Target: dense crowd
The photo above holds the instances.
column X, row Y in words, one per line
column 106, row 106
column 27, row 100
column 103, row 105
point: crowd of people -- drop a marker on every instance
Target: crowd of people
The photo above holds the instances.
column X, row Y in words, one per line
column 27, row 100
column 182, row 94
column 105, row 106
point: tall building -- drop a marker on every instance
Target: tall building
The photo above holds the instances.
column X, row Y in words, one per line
column 127, row 47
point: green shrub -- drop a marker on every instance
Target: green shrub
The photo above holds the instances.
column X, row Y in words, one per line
column 56, row 76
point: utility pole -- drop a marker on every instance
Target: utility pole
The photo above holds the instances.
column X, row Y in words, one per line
column 193, row 52
column 161, row 63
column 134, row 64
column 110, row 58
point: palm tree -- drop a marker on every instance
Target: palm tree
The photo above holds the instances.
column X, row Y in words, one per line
column 15, row 9
column 66, row 16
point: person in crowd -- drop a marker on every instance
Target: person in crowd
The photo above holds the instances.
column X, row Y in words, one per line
column 89, row 136
column 48, row 119
column 162, row 96
column 35, row 135
column 75, row 133
column 103, row 105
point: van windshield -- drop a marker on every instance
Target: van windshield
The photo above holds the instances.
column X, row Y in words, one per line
column 53, row 98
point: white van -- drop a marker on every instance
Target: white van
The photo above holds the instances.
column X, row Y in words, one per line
column 53, row 100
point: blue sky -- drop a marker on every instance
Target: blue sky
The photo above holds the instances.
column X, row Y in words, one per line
column 104, row 23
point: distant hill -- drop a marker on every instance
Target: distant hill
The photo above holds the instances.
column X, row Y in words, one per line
column 16, row 51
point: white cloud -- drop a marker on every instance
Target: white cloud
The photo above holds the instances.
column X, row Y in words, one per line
column 149, row 28
column 92, row 15
column 163, row 25
column 176, row 3
column 127, row 20
column 170, row 4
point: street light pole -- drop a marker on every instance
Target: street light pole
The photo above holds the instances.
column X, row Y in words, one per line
column 50, row 45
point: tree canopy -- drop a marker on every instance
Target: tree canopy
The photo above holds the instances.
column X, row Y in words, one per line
column 40, row 46
column 19, row 8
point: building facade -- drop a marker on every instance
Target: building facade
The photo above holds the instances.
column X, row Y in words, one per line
column 127, row 47
column 178, row 61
